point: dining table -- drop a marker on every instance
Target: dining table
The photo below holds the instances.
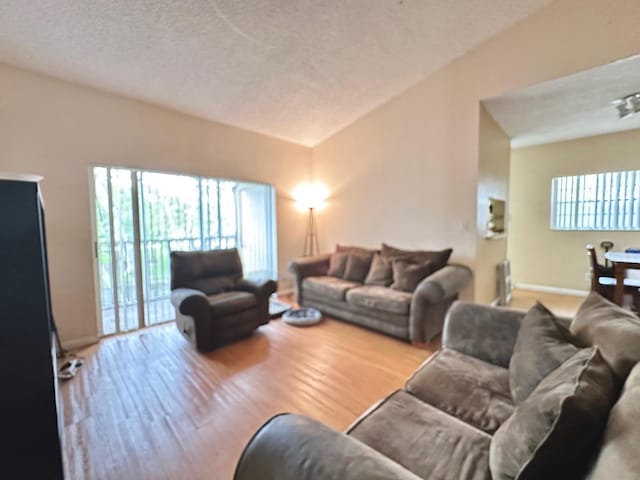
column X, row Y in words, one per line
column 622, row 261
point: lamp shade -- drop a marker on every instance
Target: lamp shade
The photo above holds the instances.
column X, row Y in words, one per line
column 310, row 195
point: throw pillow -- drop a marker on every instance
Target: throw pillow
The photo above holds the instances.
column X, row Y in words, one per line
column 357, row 267
column 354, row 249
column 542, row 346
column 613, row 329
column 555, row 431
column 337, row 264
column 380, row 272
column 438, row 258
column 618, row 456
column 407, row 275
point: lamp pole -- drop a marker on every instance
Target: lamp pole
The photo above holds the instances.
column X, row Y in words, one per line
column 311, row 238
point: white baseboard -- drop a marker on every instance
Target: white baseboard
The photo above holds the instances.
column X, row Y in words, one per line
column 550, row 289
column 79, row 343
column 286, row 291
column 495, row 302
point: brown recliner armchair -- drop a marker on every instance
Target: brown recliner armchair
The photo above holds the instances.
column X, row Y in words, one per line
column 214, row 303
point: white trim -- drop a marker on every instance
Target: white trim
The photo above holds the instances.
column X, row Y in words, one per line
column 20, row 177
column 286, row 291
column 550, row 289
column 79, row 343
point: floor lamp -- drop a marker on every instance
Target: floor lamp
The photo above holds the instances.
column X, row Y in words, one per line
column 310, row 196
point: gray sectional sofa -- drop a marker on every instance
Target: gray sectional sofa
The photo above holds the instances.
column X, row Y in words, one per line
column 456, row 418
column 416, row 315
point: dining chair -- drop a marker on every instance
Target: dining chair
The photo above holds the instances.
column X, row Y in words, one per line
column 603, row 280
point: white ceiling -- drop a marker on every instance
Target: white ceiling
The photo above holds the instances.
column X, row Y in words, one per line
column 570, row 107
column 294, row 69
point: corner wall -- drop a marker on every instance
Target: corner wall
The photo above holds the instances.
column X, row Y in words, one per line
column 539, row 255
column 407, row 172
column 59, row 130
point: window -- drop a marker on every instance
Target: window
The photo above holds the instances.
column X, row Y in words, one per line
column 603, row 201
column 141, row 216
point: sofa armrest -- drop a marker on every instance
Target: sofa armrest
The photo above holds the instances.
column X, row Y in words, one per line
column 292, row 447
column 432, row 298
column 190, row 302
column 303, row 267
column 481, row 331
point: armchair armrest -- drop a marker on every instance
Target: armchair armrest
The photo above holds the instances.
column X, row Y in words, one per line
column 292, row 447
column 190, row 302
column 432, row 298
column 303, row 267
column 481, row 331
column 262, row 289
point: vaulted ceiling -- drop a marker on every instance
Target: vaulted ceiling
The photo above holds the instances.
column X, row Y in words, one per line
column 294, row 69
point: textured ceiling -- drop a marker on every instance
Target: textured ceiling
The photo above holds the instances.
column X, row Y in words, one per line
column 570, row 107
column 294, row 69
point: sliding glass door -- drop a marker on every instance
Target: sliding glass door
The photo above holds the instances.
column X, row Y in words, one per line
column 141, row 216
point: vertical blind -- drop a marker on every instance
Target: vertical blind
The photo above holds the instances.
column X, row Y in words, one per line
column 603, row 201
column 141, row 216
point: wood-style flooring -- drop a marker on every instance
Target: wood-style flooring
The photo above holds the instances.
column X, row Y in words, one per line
column 147, row 406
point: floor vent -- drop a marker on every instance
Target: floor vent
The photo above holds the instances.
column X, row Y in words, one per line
column 503, row 275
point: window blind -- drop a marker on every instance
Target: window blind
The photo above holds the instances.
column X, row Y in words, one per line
column 602, row 201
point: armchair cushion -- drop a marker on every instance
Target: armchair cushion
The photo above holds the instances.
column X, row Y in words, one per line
column 380, row 298
column 226, row 303
column 474, row 391
column 210, row 272
column 542, row 346
column 425, row 440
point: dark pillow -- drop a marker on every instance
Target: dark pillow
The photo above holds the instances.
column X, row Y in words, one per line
column 357, row 267
column 555, row 431
column 438, row 258
column 541, row 347
column 613, row 329
column 337, row 264
column 380, row 272
column 407, row 275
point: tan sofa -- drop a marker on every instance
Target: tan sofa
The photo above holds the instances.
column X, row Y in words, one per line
column 411, row 316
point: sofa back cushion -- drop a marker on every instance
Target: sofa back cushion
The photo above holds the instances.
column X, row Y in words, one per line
column 380, row 273
column 555, row 431
column 357, row 266
column 438, row 258
column 619, row 455
column 209, row 271
column 613, row 329
column 407, row 275
column 337, row 264
column 542, row 346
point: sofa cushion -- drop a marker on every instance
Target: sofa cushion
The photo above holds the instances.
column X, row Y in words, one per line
column 380, row 298
column 425, row 440
column 355, row 249
column 357, row 267
column 226, row 303
column 555, row 431
column 439, row 258
column 380, row 273
column 619, row 456
column 337, row 264
column 407, row 275
column 474, row 391
column 613, row 329
column 328, row 287
column 542, row 346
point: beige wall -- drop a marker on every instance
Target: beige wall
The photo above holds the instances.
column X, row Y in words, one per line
column 406, row 172
column 539, row 255
column 494, row 153
column 59, row 130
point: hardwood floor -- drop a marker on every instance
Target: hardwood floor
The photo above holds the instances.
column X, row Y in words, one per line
column 147, row 406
